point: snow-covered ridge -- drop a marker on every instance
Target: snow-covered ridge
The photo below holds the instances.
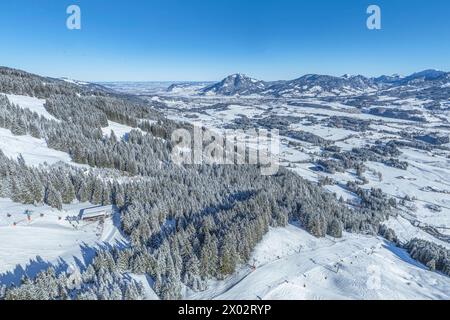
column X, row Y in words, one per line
column 314, row 85
column 82, row 83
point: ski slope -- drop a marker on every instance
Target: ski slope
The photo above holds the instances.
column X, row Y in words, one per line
column 32, row 104
column 292, row 264
column 34, row 151
column 51, row 237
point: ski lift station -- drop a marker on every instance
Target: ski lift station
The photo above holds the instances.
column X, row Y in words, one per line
column 96, row 213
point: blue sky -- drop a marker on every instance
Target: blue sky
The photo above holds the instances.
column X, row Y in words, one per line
column 165, row 40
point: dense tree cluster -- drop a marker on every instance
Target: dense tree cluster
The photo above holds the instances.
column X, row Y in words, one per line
column 23, row 83
column 386, row 153
column 388, row 234
column 54, row 186
column 373, row 199
column 348, row 123
column 396, row 113
column 19, row 121
column 281, row 123
column 434, row 256
column 101, row 280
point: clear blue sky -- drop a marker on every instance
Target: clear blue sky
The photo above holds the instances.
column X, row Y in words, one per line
column 208, row 39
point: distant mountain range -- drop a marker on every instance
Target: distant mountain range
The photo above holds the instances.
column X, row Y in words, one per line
column 315, row 85
column 425, row 83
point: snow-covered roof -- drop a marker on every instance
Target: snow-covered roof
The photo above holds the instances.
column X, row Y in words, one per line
column 96, row 211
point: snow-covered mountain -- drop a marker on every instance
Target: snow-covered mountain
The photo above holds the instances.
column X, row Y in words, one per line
column 315, row 85
column 34, row 83
column 323, row 85
column 427, row 77
column 187, row 87
column 236, row 84
column 308, row 85
column 388, row 80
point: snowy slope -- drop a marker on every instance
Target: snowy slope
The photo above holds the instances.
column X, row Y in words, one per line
column 120, row 130
column 145, row 281
column 34, row 151
column 292, row 264
column 55, row 238
column 33, row 104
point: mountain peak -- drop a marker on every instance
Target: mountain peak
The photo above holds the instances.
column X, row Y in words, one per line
column 235, row 84
column 238, row 75
column 321, row 85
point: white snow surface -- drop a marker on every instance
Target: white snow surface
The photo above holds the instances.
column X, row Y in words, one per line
column 50, row 237
column 32, row 104
column 120, row 130
column 292, row 264
column 34, row 151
